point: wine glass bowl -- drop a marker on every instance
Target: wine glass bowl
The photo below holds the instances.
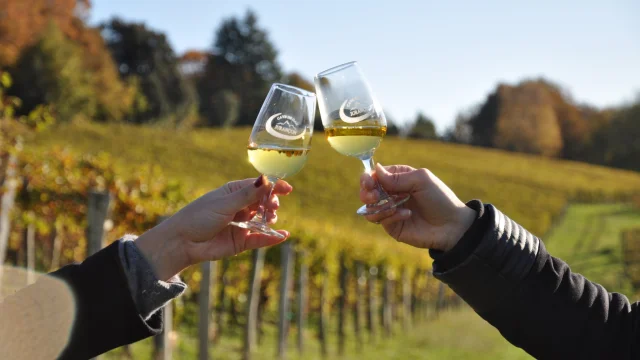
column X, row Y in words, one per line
column 280, row 141
column 354, row 122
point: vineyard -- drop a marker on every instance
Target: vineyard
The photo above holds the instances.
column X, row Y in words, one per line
column 107, row 129
column 342, row 274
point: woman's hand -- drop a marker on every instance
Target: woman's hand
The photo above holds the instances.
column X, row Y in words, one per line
column 201, row 231
column 433, row 218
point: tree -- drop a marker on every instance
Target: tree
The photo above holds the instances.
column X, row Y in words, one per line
column 227, row 107
column 24, row 20
column 244, row 62
column 423, row 128
column 52, row 72
column 460, row 132
column 534, row 116
column 30, row 20
column 116, row 98
column 392, row 128
column 622, row 135
column 297, row 80
column 147, row 55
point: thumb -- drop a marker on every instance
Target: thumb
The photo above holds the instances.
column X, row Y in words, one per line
column 245, row 196
column 394, row 180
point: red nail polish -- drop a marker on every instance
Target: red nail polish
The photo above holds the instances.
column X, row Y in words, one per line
column 259, row 181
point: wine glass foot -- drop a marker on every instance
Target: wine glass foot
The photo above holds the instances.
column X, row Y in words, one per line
column 383, row 205
column 257, row 227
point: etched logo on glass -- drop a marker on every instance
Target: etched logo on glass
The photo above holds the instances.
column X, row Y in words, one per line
column 353, row 111
column 284, row 127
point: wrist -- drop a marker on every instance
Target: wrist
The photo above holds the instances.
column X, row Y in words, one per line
column 163, row 249
column 464, row 219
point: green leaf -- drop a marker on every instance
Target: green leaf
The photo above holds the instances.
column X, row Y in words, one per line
column 5, row 80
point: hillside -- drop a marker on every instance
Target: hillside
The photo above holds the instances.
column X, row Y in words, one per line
column 530, row 189
column 533, row 190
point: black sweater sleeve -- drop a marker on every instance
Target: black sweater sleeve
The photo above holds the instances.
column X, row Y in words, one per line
column 106, row 316
column 534, row 299
column 77, row 312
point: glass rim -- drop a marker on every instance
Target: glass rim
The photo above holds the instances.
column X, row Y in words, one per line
column 336, row 69
column 293, row 90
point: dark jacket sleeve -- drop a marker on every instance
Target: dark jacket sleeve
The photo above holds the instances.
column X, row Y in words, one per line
column 77, row 312
column 106, row 316
column 533, row 299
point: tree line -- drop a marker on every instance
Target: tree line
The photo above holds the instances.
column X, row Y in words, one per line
column 538, row 117
column 126, row 71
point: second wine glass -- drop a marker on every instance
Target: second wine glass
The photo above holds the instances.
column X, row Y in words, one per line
column 280, row 142
column 354, row 123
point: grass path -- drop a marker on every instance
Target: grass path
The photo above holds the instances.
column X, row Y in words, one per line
column 588, row 239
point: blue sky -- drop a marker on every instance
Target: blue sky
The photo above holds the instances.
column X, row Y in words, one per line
column 439, row 57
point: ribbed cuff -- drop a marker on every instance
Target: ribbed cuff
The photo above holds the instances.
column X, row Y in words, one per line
column 466, row 245
column 149, row 294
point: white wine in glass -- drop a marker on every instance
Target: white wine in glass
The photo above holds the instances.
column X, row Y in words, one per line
column 280, row 141
column 354, row 122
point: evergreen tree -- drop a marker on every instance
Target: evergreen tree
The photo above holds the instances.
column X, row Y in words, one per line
column 147, row 55
column 423, row 128
column 244, row 63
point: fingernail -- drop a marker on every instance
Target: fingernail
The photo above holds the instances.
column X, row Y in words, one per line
column 259, row 181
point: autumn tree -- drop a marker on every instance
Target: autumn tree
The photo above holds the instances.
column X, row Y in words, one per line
column 146, row 55
column 533, row 117
column 52, row 72
column 30, row 20
column 23, row 21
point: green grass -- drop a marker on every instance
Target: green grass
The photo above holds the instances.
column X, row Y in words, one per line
column 457, row 334
column 588, row 239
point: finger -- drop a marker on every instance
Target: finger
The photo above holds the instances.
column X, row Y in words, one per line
column 244, row 215
column 369, row 196
column 244, row 197
column 403, row 181
column 367, row 182
column 400, row 215
column 399, row 169
column 254, row 207
column 272, row 217
column 273, row 203
column 377, row 218
column 282, row 188
column 256, row 240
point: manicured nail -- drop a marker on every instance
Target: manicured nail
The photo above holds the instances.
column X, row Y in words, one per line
column 259, row 181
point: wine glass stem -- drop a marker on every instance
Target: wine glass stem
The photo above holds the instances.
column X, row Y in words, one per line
column 261, row 215
column 369, row 166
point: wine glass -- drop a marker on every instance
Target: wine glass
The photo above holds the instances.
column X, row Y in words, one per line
column 280, row 142
column 354, row 122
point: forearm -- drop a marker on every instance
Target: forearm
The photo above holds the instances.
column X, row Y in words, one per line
column 534, row 300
